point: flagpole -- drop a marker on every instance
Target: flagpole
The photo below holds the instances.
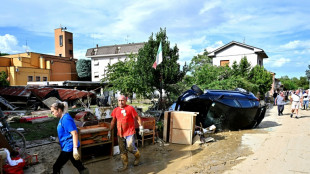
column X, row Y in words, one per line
column 161, row 82
column 161, row 88
column 159, row 59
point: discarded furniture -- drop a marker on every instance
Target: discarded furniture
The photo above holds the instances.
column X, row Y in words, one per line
column 149, row 130
column 179, row 127
column 95, row 144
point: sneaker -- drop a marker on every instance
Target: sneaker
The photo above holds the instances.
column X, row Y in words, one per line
column 296, row 117
column 291, row 115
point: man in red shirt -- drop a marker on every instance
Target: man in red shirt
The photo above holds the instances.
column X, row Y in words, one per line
column 125, row 116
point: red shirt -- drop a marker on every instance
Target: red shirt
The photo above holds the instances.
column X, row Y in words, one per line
column 125, row 120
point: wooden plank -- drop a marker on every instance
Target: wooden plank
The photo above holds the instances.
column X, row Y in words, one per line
column 182, row 121
column 182, row 136
column 93, row 130
column 170, row 127
column 165, row 126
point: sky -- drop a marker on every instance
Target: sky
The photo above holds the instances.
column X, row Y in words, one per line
column 280, row 28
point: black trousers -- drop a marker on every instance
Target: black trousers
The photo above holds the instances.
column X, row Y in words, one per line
column 63, row 158
column 280, row 109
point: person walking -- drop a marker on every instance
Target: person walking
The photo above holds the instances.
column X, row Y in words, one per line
column 295, row 100
column 275, row 94
column 125, row 116
column 305, row 98
column 280, row 102
column 68, row 139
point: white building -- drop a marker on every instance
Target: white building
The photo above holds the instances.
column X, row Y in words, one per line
column 102, row 56
column 235, row 51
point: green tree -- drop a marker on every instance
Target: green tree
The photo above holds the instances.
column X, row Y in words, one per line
column 137, row 75
column 83, row 68
column 242, row 69
column 4, row 54
column 287, row 83
column 239, row 75
column 261, row 77
column 122, row 77
column 3, row 79
column 200, row 60
column 303, row 82
column 168, row 71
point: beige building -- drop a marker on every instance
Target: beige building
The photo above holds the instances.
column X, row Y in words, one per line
column 35, row 67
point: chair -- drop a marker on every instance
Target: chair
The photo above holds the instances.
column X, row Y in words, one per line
column 149, row 131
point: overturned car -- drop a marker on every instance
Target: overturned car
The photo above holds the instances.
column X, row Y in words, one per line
column 227, row 110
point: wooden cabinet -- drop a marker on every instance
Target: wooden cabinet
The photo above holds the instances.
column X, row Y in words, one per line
column 179, row 127
column 94, row 142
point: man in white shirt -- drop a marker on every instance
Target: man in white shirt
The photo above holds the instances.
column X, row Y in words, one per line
column 296, row 100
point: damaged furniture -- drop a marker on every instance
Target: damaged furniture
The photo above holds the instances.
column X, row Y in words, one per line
column 95, row 144
column 149, row 130
column 179, row 127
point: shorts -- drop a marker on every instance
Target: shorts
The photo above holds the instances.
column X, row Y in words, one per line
column 295, row 105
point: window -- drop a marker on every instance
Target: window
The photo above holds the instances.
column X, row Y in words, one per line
column 38, row 78
column 70, row 52
column 111, row 61
column 224, row 62
column 245, row 103
column 259, row 62
column 30, row 78
column 60, row 40
column 96, row 74
column 96, row 62
column 70, row 41
column 60, row 55
column 44, row 79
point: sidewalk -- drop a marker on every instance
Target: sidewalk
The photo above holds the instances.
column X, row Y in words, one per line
column 285, row 149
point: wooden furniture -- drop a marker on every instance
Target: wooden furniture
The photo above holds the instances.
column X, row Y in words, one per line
column 149, row 130
column 179, row 127
column 94, row 142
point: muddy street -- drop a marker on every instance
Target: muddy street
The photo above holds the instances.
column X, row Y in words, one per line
column 232, row 152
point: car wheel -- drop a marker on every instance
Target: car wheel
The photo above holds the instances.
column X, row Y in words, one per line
column 197, row 89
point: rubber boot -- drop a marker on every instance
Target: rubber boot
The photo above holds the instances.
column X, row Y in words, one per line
column 85, row 171
column 137, row 160
column 124, row 158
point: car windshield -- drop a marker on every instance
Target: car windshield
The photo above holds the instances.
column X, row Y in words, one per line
column 247, row 103
column 230, row 102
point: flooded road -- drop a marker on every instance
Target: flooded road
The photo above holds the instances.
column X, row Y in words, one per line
column 228, row 149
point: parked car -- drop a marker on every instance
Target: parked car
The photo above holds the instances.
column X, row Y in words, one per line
column 226, row 109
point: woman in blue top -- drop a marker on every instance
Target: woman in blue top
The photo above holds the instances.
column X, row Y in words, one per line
column 68, row 139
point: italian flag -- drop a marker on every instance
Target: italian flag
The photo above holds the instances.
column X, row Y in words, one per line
column 159, row 56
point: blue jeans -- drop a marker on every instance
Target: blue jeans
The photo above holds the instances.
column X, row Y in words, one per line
column 127, row 144
column 305, row 104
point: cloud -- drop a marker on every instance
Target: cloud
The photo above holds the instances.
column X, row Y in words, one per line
column 189, row 48
column 9, row 44
column 209, row 5
column 214, row 46
column 292, row 44
column 297, row 46
column 80, row 54
column 276, row 61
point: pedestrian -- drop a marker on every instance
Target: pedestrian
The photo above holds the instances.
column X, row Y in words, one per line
column 275, row 94
column 305, row 99
column 280, row 101
column 125, row 116
column 296, row 100
column 68, row 139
